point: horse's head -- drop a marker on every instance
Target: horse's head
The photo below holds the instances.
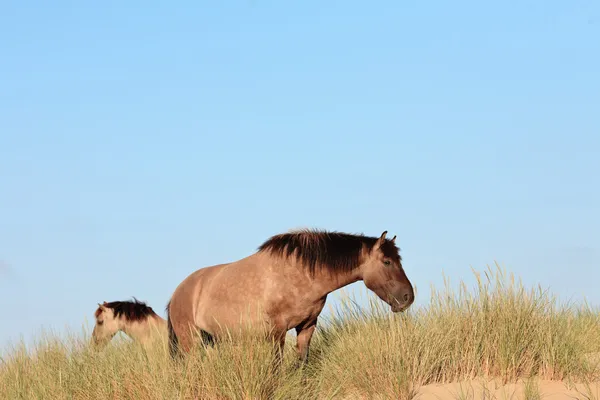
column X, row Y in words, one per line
column 106, row 326
column 382, row 272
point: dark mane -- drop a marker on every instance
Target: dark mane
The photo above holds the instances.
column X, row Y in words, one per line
column 131, row 310
column 334, row 251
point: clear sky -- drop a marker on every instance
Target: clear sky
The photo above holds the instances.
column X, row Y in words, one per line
column 141, row 141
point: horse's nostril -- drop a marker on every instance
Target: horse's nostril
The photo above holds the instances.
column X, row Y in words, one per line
column 406, row 297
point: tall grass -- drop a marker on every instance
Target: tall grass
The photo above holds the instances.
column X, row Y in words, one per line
column 497, row 329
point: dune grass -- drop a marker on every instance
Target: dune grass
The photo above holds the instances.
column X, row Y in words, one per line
column 499, row 329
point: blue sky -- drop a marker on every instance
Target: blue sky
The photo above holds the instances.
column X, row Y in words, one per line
column 141, row 141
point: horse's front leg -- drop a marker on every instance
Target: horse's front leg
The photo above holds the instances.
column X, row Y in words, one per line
column 279, row 344
column 303, row 336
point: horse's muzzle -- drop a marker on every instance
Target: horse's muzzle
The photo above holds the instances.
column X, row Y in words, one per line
column 403, row 302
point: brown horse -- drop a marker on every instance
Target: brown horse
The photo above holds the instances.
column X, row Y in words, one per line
column 134, row 318
column 284, row 285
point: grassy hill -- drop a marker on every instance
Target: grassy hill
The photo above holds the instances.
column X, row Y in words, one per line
column 499, row 331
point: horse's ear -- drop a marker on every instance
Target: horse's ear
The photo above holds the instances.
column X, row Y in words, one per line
column 380, row 241
column 394, row 239
column 99, row 310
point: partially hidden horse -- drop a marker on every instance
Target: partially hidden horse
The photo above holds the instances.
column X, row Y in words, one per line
column 134, row 318
column 284, row 285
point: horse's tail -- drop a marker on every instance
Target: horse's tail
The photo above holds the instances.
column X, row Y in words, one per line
column 173, row 341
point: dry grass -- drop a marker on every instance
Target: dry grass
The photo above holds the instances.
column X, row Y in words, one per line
column 498, row 330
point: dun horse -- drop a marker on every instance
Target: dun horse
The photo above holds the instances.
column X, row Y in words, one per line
column 134, row 318
column 285, row 284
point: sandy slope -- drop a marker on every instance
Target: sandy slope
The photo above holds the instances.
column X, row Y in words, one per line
column 550, row 390
column 494, row 389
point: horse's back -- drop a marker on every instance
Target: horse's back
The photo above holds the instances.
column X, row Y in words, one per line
column 234, row 295
column 230, row 295
column 183, row 303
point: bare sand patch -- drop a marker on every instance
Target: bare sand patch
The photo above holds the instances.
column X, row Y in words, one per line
column 494, row 389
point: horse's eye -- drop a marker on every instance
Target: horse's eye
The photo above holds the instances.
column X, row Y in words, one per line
column 387, row 262
column 100, row 322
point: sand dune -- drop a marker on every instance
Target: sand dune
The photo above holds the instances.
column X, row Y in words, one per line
column 479, row 389
column 532, row 389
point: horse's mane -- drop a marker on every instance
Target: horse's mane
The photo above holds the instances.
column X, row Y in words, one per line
column 334, row 251
column 132, row 310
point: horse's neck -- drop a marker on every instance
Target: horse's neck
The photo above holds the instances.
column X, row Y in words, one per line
column 294, row 277
column 336, row 280
column 325, row 282
column 160, row 323
column 131, row 329
column 142, row 330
